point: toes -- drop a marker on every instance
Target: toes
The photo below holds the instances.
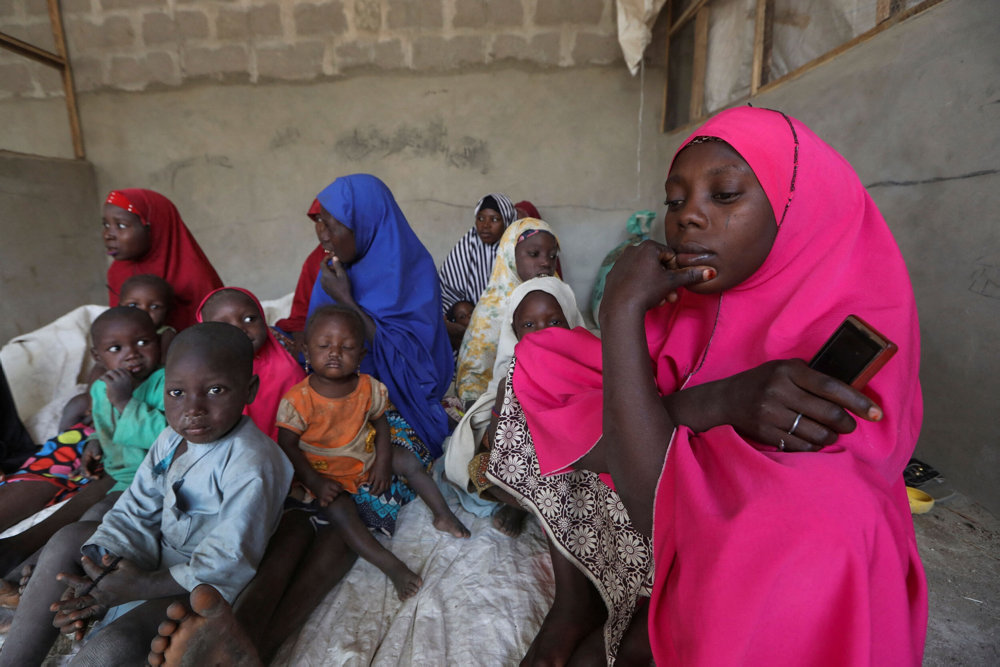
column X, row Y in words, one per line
column 177, row 611
column 206, row 601
column 155, row 659
column 166, row 628
column 159, row 644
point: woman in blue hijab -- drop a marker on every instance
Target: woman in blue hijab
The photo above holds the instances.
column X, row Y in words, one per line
column 378, row 267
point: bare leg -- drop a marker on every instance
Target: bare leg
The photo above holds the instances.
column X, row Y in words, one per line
column 101, row 507
column 343, row 514
column 14, row 550
column 257, row 603
column 635, row 648
column 207, row 634
column 576, row 612
column 19, row 500
column 405, row 464
column 126, row 640
column 324, row 565
column 32, row 632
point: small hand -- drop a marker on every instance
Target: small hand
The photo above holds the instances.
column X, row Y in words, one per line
column 334, row 280
column 90, row 460
column 326, row 490
column 646, row 276
column 75, row 621
column 381, row 476
column 765, row 401
column 101, row 588
column 120, row 384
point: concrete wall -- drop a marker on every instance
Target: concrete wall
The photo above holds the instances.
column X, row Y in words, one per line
column 50, row 255
column 914, row 109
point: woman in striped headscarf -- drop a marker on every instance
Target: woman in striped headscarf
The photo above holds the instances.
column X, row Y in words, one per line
column 467, row 269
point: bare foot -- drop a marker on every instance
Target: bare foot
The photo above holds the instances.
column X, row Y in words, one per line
column 10, row 595
column 565, row 628
column 509, row 520
column 406, row 581
column 207, row 634
column 449, row 523
column 25, row 576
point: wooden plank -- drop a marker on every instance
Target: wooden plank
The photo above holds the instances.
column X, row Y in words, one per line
column 686, row 16
column 699, row 66
column 59, row 37
column 757, row 70
column 31, row 51
column 883, row 9
column 666, row 69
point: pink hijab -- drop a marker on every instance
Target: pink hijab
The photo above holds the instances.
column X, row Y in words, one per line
column 765, row 556
column 277, row 370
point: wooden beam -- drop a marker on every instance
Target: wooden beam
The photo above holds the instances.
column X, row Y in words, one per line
column 666, row 69
column 700, row 64
column 59, row 37
column 757, row 71
column 31, row 51
column 686, row 16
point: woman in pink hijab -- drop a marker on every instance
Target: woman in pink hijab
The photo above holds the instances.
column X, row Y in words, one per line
column 777, row 521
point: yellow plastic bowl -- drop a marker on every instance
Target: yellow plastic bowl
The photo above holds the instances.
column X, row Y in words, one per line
column 920, row 502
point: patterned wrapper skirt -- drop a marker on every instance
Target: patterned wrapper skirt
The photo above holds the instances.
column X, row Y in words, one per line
column 582, row 516
column 57, row 462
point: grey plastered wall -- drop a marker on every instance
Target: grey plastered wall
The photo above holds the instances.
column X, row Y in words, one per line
column 916, row 110
column 48, row 223
column 243, row 162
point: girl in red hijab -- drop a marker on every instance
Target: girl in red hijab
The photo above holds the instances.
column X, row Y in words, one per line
column 144, row 233
column 277, row 370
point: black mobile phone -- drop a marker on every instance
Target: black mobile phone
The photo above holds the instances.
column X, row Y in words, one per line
column 854, row 353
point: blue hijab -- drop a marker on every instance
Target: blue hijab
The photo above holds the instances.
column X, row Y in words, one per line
column 395, row 281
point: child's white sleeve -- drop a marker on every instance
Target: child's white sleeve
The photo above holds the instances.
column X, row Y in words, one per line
column 131, row 529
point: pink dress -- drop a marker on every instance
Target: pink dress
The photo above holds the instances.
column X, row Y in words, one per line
column 761, row 556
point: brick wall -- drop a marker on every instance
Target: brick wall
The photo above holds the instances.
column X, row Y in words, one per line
column 136, row 44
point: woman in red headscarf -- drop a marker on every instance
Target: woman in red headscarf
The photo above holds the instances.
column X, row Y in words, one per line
column 738, row 492
column 144, row 233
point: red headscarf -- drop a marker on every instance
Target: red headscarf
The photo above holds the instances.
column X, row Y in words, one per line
column 174, row 255
column 528, row 208
column 277, row 370
column 296, row 320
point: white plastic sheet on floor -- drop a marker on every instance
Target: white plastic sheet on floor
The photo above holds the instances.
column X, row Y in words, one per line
column 482, row 600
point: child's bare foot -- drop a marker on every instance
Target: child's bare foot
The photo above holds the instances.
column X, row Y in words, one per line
column 509, row 520
column 447, row 522
column 208, row 634
column 25, row 576
column 406, row 581
column 10, row 594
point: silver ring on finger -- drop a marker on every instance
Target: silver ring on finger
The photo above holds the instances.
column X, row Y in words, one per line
column 795, row 424
column 781, row 445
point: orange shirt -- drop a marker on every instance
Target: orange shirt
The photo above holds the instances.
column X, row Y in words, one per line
column 336, row 434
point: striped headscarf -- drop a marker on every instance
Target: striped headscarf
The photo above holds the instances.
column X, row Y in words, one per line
column 467, row 269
